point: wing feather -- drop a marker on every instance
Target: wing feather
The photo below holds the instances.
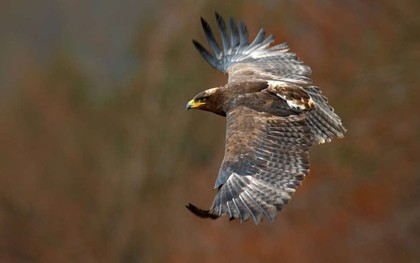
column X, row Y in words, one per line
column 211, row 39
column 234, row 40
column 243, row 35
column 259, row 38
column 205, row 54
column 223, row 33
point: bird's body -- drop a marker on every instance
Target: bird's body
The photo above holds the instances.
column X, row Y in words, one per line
column 273, row 117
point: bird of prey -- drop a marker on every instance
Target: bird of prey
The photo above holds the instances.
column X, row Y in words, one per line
column 273, row 116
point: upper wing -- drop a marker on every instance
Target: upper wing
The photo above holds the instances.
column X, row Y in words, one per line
column 266, row 158
column 256, row 61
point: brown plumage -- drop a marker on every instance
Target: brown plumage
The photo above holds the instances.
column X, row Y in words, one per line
column 273, row 117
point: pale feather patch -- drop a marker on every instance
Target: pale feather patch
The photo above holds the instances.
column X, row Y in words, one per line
column 301, row 104
column 294, row 95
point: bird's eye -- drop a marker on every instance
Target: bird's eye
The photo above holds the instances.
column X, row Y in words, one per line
column 201, row 99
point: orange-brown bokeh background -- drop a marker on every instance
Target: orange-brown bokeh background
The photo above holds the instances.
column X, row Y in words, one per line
column 98, row 156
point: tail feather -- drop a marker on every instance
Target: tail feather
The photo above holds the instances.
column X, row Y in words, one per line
column 200, row 212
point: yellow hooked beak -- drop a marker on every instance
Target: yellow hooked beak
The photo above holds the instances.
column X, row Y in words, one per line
column 192, row 104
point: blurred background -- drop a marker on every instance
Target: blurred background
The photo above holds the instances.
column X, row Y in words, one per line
column 98, row 156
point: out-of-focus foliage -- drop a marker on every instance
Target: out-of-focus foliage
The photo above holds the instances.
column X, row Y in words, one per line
column 98, row 156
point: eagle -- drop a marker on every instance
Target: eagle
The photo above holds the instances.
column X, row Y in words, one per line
column 274, row 115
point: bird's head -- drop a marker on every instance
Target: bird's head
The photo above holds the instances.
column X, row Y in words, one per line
column 208, row 100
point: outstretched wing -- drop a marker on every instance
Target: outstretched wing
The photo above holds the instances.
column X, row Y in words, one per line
column 266, row 158
column 257, row 61
column 245, row 61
